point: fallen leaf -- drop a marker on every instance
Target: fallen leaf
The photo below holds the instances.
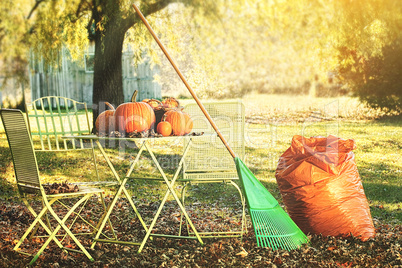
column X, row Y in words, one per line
column 243, row 253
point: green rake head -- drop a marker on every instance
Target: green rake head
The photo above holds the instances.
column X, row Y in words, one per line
column 272, row 225
column 275, row 229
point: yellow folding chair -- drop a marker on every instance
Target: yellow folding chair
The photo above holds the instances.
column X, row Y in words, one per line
column 29, row 185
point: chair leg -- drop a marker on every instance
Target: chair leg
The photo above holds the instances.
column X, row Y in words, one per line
column 37, row 221
column 37, row 225
column 107, row 214
column 101, row 219
column 61, row 224
column 77, row 215
column 243, row 202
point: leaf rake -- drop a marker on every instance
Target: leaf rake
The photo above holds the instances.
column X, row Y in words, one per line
column 272, row 226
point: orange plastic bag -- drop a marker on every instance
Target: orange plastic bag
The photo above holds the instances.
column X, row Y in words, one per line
column 321, row 188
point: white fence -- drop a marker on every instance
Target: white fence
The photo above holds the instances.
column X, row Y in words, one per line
column 75, row 80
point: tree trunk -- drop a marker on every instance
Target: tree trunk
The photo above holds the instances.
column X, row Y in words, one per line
column 108, row 80
column 108, row 74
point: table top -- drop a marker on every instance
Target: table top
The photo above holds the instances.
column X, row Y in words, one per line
column 95, row 137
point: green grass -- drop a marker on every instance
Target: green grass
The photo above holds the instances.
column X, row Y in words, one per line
column 378, row 157
column 272, row 122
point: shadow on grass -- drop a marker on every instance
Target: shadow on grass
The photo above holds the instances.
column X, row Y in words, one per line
column 381, row 181
column 7, row 189
column 383, row 192
column 386, row 214
column 390, row 119
column 385, row 200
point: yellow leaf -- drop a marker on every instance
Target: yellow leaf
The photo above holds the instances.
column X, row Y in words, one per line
column 242, row 253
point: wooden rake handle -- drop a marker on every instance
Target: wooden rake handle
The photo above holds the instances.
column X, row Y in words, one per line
column 144, row 20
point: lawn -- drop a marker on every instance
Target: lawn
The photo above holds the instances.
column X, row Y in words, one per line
column 271, row 122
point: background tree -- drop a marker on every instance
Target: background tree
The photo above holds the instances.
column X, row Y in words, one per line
column 369, row 50
column 277, row 46
column 52, row 24
column 14, row 38
column 225, row 48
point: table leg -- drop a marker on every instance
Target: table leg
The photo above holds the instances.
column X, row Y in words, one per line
column 108, row 161
column 170, row 190
column 121, row 190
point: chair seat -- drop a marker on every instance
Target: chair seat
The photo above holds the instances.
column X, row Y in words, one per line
column 95, row 183
column 82, row 190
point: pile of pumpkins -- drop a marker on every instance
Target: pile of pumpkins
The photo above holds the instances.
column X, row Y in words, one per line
column 165, row 117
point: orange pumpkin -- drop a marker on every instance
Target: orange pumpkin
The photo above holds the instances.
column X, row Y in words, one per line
column 189, row 123
column 134, row 116
column 155, row 104
column 164, row 128
column 181, row 122
column 170, row 103
column 105, row 121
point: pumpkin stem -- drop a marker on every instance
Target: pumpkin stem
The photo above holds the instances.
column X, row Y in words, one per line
column 109, row 105
column 134, row 97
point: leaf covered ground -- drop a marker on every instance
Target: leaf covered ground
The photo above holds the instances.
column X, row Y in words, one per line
column 384, row 250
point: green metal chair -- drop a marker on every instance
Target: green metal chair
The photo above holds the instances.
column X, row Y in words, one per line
column 29, row 185
column 52, row 117
column 208, row 160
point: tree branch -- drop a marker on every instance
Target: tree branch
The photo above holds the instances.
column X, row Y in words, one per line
column 146, row 9
column 34, row 8
column 83, row 6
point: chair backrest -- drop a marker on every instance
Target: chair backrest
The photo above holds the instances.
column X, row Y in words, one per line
column 23, row 154
column 52, row 117
column 209, row 153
